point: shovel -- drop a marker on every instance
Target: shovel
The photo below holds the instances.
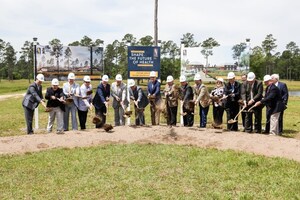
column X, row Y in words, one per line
column 232, row 121
column 250, row 109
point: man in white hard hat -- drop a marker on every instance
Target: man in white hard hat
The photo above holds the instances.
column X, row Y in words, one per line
column 284, row 94
column 187, row 102
column 55, row 97
column 101, row 100
column 85, row 101
column 251, row 92
column 274, row 104
column 71, row 91
column 201, row 97
column 171, row 92
column 140, row 102
column 32, row 99
column 232, row 91
column 154, row 98
column 119, row 95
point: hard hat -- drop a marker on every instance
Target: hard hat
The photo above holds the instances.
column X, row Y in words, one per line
column 131, row 83
column 105, row 78
column 230, row 75
column 197, row 77
column 40, row 77
column 170, row 79
column 250, row 76
column 71, row 75
column 86, row 79
column 55, row 81
column 267, row 78
column 118, row 77
column 221, row 80
column 152, row 74
column 182, row 78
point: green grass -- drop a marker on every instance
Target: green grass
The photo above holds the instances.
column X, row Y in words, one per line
column 147, row 172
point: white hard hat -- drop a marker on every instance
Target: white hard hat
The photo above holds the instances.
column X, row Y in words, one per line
column 230, row 75
column 105, row 78
column 250, row 76
column 40, row 77
column 221, row 80
column 152, row 74
column 170, row 79
column 182, row 78
column 87, row 79
column 197, row 77
column 55, row 81
column 131, row 83
column 267, row 78
column 71, row 75
column 118, row 77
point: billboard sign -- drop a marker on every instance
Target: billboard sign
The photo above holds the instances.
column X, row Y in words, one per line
column 65, row 59
column 142, row 60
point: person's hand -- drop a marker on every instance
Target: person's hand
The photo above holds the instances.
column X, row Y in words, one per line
column 117, row 98
column 107, row 98
column 53, row 97
column 43, row 103
column 106, row 104
column 257, row 103
column 136, row 103
column 251, row 102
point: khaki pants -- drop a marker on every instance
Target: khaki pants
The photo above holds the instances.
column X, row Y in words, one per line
column 155, row 114
column 59, row 114
column 274, row 123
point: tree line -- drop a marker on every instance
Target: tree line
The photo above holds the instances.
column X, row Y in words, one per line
column 264, row 59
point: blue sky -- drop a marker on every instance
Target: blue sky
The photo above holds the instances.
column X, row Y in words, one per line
column 228, row 21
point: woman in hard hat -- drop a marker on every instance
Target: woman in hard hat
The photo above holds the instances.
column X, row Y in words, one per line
column 55, row 97
column 217, row 95
column 85, row 101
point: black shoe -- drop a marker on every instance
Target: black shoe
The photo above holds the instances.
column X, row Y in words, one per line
column 30, row 133
column 265, row 132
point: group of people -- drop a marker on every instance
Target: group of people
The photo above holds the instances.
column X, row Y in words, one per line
column 246, row 98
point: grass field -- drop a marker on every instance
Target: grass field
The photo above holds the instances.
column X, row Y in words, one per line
column 147, row 172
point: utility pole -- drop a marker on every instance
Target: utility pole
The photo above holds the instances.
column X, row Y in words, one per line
column 155, row 23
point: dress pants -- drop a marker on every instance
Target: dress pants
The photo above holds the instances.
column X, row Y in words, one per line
column 257, row 121
column 70, row 108
column 29, row 118
column 188, row 119
column 59, row 114
column 119, row 118
column 232, row 111
column 274, row 123
column 172, row 115
column 218, row 114
column 139, row 116
column 155, row 113
column 281, row 122
column 100, row 112
column 82, row 115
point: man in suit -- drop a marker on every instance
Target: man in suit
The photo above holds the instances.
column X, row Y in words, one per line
column 154, row 98
column 101, row 100
column 119, row 94
column 274, row 104
column 31, row 101
column 140, row 102
column 201, row 97
column 232, row 91
column 251, row 92
column 285, row 97
column 187, row 103
column 71, row 91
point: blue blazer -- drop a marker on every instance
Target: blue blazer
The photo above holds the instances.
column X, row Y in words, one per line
column 284, row 92
column 101, row 95
column 273, row 99
column 155, row 90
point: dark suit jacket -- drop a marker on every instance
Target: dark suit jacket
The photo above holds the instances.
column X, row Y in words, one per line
column 54, row 102
column 273, row 99
column 155, row 90
column 284, row 92
column 33, row 96
column 236, row 90
column 186, row 96
column 257, row 91
column 101, row 95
